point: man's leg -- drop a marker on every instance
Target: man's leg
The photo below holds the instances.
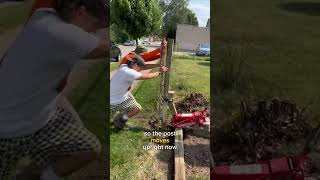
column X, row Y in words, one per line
column 64, row 145
column 64, row 166
column 11, row 150
column 133, row 107
column 133, row 111
column 129, row 108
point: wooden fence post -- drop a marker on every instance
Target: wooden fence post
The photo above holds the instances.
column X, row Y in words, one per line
column 161, row 93
column 166, row 83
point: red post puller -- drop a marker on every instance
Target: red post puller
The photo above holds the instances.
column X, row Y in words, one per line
column 289, row 168
column 197, row 117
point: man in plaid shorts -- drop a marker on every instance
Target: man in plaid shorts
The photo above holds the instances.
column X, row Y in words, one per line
column 36, row 121
column 121, row 99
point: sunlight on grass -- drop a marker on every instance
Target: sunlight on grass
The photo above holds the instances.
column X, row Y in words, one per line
column 190, row 76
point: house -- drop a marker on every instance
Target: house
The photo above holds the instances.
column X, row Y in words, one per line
column 188, row 37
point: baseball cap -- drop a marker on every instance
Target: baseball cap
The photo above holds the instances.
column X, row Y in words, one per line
column 138, row 60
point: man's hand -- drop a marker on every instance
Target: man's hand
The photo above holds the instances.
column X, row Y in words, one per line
column 163, row 69
column 103, row 50
column 154, row 74
column 163, row 44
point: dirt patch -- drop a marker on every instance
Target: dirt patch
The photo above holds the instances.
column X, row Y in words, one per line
column 263, row 130
column 191, row 103
column 196, row 153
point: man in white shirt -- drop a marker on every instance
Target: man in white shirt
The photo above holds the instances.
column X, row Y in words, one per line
column 33, row 119
column 121, row 98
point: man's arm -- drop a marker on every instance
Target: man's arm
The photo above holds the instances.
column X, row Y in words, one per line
column 103, row 50
column 149, row 76
column 153, row 75
column 151, row 66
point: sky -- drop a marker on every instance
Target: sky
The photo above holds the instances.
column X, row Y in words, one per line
column 202, row 10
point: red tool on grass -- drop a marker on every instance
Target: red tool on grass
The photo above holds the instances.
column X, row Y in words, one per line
column 182, row 120
column 285, row 168
column 288, row 168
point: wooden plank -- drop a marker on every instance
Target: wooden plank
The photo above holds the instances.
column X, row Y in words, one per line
column 179, row 165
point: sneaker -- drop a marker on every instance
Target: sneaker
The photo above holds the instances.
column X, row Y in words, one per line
column 120, row 123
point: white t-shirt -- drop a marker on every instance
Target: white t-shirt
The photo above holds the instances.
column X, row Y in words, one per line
column 35, row 64
column 120, row 83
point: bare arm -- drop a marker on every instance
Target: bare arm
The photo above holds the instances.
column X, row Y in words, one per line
column 103, row 50
column 151, row 66
column 153, row 75
column 149, row 75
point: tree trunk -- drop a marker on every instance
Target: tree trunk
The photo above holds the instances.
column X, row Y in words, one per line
column 137, row 42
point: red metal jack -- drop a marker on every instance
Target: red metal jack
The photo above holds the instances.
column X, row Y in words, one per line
column 197, row 117
column 290, row 167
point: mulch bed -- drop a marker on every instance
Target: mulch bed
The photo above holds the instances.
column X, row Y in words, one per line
column 260, row 132
column 196, row 153
column 192, row 102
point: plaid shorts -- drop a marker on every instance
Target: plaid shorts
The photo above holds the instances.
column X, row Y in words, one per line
column 126, row 106
column 63, row 135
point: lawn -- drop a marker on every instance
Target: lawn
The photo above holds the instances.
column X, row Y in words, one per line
column 114, row 66
column 14, row 15
column 190, row 75
column 90, row 101
column 279, row 41
column 128, row 159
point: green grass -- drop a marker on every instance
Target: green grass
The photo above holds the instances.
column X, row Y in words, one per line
column 190, row 76
column 90, row 101
column 12, row 16
column 147, row 93
column 114, row 66
column 281, row 51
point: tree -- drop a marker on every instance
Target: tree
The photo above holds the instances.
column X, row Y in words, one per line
column 137, row 17
column 192, row 18
column 176, row 12
column 118, row 35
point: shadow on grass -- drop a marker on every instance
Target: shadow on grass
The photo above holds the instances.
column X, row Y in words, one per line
column 308, row 8
column 205, row 63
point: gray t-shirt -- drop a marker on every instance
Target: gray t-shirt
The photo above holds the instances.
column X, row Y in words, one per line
column 120, row 83
column 35, row 64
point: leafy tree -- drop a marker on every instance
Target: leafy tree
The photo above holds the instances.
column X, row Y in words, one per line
column 118, row 35
column 192, row 18
column 176, row 12
column 137, row 17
